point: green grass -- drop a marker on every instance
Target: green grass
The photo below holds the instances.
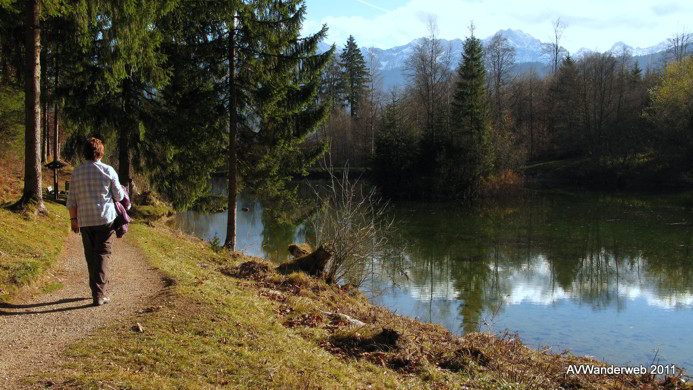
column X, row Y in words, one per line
column 206, row 331
column 51, row 287
column 150, row 212
column 211, row 328
column 148, row 206
column 29, row 245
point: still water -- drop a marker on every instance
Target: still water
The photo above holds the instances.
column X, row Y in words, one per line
column 610, row 276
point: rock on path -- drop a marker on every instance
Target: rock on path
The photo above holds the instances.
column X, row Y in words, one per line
column 34, row 332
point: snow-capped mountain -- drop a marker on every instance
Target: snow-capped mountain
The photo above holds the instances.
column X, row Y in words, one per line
column 528, row 50
column 620, row 47
column 581, row 53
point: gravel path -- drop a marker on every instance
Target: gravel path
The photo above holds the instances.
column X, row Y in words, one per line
column 34, row 332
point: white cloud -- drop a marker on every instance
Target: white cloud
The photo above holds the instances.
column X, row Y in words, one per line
column 594, row 24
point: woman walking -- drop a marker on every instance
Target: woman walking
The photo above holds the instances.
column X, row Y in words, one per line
column 94, row 186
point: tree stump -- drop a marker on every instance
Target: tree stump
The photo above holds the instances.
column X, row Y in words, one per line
column 312, row 264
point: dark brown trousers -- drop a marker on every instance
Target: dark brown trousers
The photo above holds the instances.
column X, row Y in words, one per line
column 97, row 242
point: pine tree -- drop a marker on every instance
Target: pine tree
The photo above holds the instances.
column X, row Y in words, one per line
column 468, row 153
column 32, row 106
column 354, row 74
column 30, row 72
column 272, row 86
column 332, row 83
column 396, row 153
column 564, row 114
column 116, row 67
column 28, row 65
column 186, row 144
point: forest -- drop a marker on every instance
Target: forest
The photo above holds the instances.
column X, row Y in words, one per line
column 183, row 90
column 179, row 90
column 471, row 127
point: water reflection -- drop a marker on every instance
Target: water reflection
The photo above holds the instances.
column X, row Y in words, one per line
column 256, row 234
column 608, row 276
column 551, row 257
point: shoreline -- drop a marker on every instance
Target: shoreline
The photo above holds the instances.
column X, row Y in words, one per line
column 237, row 309
column 213, row 326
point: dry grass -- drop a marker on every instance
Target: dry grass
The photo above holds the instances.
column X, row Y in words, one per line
column 478, row 360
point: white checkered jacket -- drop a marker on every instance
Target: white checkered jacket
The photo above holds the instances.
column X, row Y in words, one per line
column 92, row 189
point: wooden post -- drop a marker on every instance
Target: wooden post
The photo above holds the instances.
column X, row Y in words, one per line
column 56, row 187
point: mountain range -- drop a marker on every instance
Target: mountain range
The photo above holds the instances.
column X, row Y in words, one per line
column 530, row 53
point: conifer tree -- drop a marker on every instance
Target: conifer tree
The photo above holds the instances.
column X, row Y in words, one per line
column 115, row 69
column 272, row 86
column 27, row 63
column 355, row 75
column 186, row 143
column 25, row 17
column 32, row 106
column 468, row 153
column 397, row 148
column 332, row 83
column 565, row 109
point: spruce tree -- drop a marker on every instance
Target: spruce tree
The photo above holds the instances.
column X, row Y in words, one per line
column 186, row 144
column 32, row 107
column 30, row 71
column 397, row 151
column 272, row 86
column 332, row 83
column 115, row 70
column 28, row 17
column 468, row 153
column 564, row 103
column 354, row 74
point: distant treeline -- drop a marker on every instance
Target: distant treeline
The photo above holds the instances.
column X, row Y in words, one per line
column 473, row 132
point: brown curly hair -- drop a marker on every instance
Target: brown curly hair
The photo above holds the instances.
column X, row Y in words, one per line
column 93, row 149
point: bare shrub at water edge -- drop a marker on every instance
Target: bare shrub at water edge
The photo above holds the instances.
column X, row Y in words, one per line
column 352, row 222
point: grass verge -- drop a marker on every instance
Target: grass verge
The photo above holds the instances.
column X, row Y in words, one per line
column 148, row 206
column 29, row 243
column 230, row 321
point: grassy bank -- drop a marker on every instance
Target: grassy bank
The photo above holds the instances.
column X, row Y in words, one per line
column 30, row 244
column 229, row 321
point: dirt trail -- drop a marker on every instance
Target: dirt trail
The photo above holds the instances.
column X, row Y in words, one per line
column 34, row 332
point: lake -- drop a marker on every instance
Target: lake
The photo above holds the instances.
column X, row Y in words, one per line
column 604, row 275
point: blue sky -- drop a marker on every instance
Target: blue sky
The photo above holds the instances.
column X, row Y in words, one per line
column 593, row 24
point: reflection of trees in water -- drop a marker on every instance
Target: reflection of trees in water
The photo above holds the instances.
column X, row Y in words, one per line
column 449, row 263
column 276, row 238
column 205, row 226
column 597, row 251
column 594, row 251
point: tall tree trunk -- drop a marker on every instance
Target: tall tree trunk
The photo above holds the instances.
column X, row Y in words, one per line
column 44, row 106
column 32, row 108
column 44, row 149
column 124, row 134
column 124, row 155
column 230, row 241
column 56, row 113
